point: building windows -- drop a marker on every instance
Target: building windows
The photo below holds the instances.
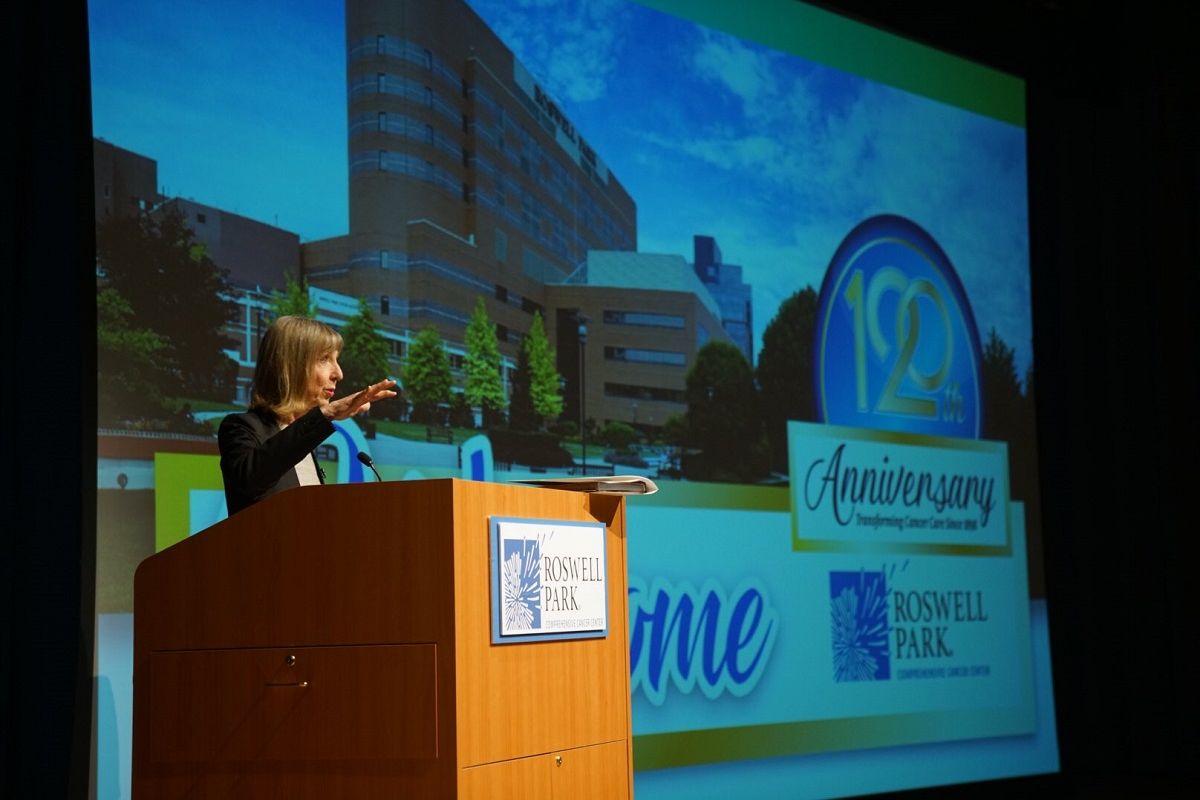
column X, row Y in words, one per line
column 638, row 356
column 383, row 259
column 428, row 97
column 381, row 82
column 201, row 217
column 385, row 306
column 428, row 134
column 502, row 293
column 383, row 122
column 428, row 58
column 633, row 392
column 380, row 45
column 643, row 318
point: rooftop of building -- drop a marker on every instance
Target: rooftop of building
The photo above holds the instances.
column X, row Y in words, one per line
column 627, row 269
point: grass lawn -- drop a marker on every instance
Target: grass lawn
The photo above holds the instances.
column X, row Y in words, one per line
column 416, row 431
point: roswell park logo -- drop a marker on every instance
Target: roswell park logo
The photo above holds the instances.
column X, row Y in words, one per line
column 521, row 585
column 877, row 632
column 548, row 580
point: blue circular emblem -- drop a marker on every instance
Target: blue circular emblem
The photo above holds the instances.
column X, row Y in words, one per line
column 897, row 346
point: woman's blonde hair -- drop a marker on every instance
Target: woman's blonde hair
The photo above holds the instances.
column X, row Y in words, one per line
column 286, row 356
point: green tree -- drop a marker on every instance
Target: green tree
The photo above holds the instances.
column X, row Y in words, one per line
column 293, row 301
column 522, row 416
column 1009, row 416
column 675, row 431
column 1003, row 404
column 784, row 373
column 129, row 364
column 723, row 415
column 173, row 288
column 545, row 387
column 364, row 357
column 427, row 376
column 618, row 436
column 536, row 388
column 484, row 386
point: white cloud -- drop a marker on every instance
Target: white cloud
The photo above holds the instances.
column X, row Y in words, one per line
column 727, row 61
column 779, row 158
column 570, row 47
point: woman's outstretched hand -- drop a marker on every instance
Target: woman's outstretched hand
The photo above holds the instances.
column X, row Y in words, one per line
column 353, row 404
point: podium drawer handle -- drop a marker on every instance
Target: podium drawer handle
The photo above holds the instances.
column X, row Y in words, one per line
column 558, row 761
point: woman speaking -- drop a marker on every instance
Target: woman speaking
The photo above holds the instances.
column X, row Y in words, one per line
column 270, row 447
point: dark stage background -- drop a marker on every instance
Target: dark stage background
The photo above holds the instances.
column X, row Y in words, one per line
column 1114, row 178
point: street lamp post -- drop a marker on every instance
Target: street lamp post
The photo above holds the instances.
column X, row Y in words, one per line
column 583, row 388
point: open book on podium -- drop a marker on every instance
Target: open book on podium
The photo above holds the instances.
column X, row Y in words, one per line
column 439, row 638
column 606, row 484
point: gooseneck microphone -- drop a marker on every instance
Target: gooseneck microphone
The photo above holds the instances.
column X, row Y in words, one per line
column 366, row 459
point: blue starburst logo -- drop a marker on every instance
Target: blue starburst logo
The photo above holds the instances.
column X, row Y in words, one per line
column 858, row 613
column 521, row 585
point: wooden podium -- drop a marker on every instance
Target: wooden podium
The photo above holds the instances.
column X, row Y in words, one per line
column 335, row 641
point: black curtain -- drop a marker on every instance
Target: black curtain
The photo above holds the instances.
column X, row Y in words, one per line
column 47, row 560
column 1115, row 175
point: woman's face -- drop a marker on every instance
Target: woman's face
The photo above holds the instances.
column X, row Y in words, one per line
column 323, row 379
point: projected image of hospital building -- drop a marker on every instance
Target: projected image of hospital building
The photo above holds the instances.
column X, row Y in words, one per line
column 466, row 179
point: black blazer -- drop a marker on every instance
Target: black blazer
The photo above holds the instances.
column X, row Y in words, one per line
column 258, row 459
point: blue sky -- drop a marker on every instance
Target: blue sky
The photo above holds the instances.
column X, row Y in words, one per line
column 243, row 107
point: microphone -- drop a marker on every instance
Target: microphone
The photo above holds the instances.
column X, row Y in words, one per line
column 366, row 459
